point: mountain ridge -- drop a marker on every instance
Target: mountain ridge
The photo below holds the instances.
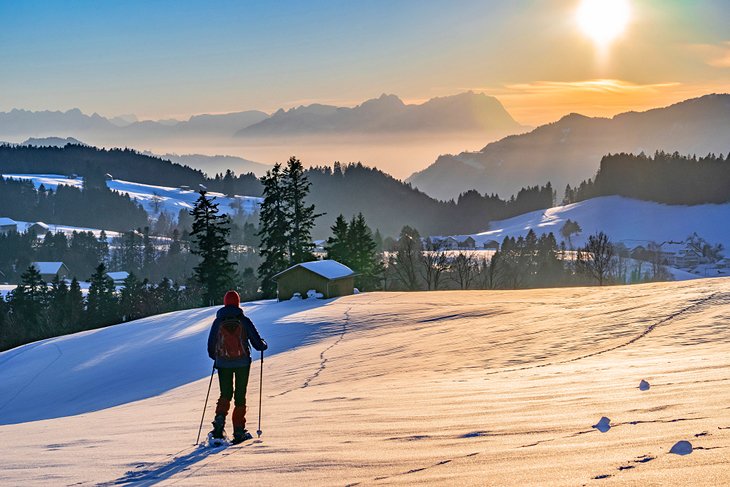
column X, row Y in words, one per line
column 569, row 150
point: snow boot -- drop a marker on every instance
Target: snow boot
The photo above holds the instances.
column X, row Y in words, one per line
column 218, row 424
column 240, row 435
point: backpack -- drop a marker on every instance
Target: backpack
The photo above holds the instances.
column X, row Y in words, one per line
column 232, row 340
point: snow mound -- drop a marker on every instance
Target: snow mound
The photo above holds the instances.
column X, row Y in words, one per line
column 313, row 294
column 106, row 367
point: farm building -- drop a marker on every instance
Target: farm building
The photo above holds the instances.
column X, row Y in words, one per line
column 328, row 277
column 49, row 270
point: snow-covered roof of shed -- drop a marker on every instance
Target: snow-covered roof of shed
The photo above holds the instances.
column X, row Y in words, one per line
column 118, row 275
column 7, row 221
column 48, row 267
column 329, row 269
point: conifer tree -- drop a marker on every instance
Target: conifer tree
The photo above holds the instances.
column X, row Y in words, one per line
column 273, row 230
column 101, row 308
column 301, row 216
column 363, row 257
column 215, row 273
column 75, row 304
column 131, row 300
column 338, row 244
column 58, row 303
column 29, row 301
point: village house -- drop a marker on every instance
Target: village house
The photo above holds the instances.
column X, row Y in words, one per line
column 8, row 225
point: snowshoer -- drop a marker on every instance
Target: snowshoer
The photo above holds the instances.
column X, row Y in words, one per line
column 228, row 346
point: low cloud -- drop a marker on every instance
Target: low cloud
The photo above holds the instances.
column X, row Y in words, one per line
column 715, row 55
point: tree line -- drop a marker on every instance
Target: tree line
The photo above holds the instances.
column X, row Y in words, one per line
column 672, row 179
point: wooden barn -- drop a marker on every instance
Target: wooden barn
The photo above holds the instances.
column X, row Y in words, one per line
column 328, row 277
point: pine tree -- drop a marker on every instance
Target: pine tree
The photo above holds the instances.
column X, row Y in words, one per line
column 215, row 273
column 101, row 307
column 301, row 215
column 273, row 230
column 338, row 244
column 131, row 300
column 75, row 304
column 28, row 301
column 363, row 257
column 58, row 303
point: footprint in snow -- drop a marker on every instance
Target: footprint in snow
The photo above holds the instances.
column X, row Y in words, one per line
column 603, row 425
column 644, row 385
column 681, row 448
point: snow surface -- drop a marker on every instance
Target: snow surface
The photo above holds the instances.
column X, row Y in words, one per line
column 626, row 220
column 439, row 388
column 167, row 199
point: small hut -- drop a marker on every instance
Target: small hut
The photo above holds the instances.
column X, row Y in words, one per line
column 328, row 277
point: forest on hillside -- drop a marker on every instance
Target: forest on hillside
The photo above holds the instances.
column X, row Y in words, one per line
column 672, row 179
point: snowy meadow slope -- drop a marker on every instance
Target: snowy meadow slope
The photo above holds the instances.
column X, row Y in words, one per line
column 459, row 388
column 154, row 199
column 623, row 219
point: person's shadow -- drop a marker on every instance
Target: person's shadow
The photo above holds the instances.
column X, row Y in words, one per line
column 158, row 472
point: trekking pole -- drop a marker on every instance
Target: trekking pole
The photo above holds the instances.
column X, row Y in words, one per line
column 206, row 403
column 261, row 389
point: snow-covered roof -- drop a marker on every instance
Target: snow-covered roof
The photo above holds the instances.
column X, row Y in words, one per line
column 329, row 269
column 42, row 225
column 7, row 221
column 118, row 276
column 48, row 267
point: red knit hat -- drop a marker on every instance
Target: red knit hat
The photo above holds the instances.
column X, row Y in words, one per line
column 231, row 299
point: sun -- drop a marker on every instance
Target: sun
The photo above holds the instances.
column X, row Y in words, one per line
column 603, row 20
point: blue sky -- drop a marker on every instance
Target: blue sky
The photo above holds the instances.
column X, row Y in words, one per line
column 175, row 58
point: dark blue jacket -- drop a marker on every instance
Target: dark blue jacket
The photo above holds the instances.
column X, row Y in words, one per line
column 251, row 332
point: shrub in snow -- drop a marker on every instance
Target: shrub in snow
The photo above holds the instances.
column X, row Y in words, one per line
column 681, row 448
column 313, row 294
column 603, row 425
column 644, row 385
column 295, row 297
column 356, row 291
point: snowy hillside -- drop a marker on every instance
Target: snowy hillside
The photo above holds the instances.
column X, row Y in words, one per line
column 154, row 199
column 440, row 388
column 626, row 220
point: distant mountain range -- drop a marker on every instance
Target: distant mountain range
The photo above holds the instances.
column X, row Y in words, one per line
column 471, row 112
column 466, row 112
column 569, row 150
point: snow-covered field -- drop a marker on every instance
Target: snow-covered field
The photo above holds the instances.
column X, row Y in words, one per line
column 447, row 388
column 626, row 220
column 154, row 199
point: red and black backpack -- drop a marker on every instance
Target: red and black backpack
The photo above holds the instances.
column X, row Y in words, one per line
column 232, row 343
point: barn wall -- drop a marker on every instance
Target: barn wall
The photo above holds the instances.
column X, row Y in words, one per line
column 300, row 280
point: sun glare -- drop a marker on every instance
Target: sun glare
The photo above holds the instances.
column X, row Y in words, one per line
column 603, row 20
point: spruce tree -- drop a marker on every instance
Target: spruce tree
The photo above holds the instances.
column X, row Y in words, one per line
column 75, row 304
column 58, row 303
column 215, row 273
column 28, row 301
column 301, row 215
column 101, row 308
column 273, row 230
column 131, row 300
column 337, row 245
column 363, row 257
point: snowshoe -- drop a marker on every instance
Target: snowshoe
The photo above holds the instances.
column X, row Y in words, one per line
column 240, row 435
column 217, row 437
column 217, row 442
